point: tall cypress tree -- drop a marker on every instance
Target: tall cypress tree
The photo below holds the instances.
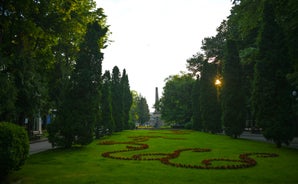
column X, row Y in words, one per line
column 80, row 109
column 127, row 98
column 106, row 123
column 117, row 99
column 233, row 98
column 271, row 93
column 209, row 104
column 87, row 83
column 196, row 115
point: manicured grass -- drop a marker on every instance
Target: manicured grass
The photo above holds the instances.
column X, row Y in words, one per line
column 87, row 165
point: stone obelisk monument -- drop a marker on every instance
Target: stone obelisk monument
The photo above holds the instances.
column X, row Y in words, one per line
column 156, row 100
column 156, row 114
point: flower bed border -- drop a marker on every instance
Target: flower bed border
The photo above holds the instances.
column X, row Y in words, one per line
column 244, row 160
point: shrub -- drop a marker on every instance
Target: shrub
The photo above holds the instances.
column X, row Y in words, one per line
column 188, row 125
column 14, row 147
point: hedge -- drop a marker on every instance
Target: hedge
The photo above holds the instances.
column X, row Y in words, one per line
column 14, row 147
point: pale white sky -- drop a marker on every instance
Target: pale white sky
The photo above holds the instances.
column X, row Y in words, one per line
column 152, row 39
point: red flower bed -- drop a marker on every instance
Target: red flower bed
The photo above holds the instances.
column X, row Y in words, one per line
column 244, row 160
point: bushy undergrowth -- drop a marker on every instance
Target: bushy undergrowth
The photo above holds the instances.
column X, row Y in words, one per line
column 14, row 148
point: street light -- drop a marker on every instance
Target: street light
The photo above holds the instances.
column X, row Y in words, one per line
column 218, row 84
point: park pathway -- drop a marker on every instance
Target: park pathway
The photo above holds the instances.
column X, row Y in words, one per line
column 39, row 146
column 261, row 138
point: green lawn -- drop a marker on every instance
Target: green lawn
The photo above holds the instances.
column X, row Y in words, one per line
column 88, row 165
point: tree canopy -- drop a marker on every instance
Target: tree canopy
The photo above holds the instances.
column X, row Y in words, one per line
column 51, row 60
column 257, row 64
column 253, row 58
column 39, row 44
column 176, row 106
column 80, row 109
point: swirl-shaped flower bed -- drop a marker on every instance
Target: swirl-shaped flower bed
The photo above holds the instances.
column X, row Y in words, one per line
column 245, row 160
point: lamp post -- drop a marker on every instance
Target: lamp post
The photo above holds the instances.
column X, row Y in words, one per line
column 218, row 84
column 38, row 126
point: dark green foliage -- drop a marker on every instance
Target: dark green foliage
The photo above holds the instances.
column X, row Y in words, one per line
column 233, row 100
column 69, row 22
column 266, row 40
column 23, row 51
column 127, row 99
column 7, row 96
column 139, row 111
column 39, row 46
column 117, row 99
column 288, row 14
column 87, row 83
column 176, row 103
column 80, row 109
column 271, row 95
column 14, row 148
column 196, row 114
column 195, row 64
column 61, row 130
column 116, row 102
column 209, row 101
column 106, row 122
column 27, row 52
column 257, row 48
column 142, row 110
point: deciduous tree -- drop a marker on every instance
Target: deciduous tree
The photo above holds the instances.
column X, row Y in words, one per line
column 142, row 110
column 176, row 102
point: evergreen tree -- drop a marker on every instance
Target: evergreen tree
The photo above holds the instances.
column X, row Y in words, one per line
column 106, row 123
column 127, row 99
column 142, row 110
column 67, row 27
column 196, row 115
column 117, row 99
column 233, row 100
column 288, row 16
column 209, row 102
column 80, row 110
column 271, row 95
